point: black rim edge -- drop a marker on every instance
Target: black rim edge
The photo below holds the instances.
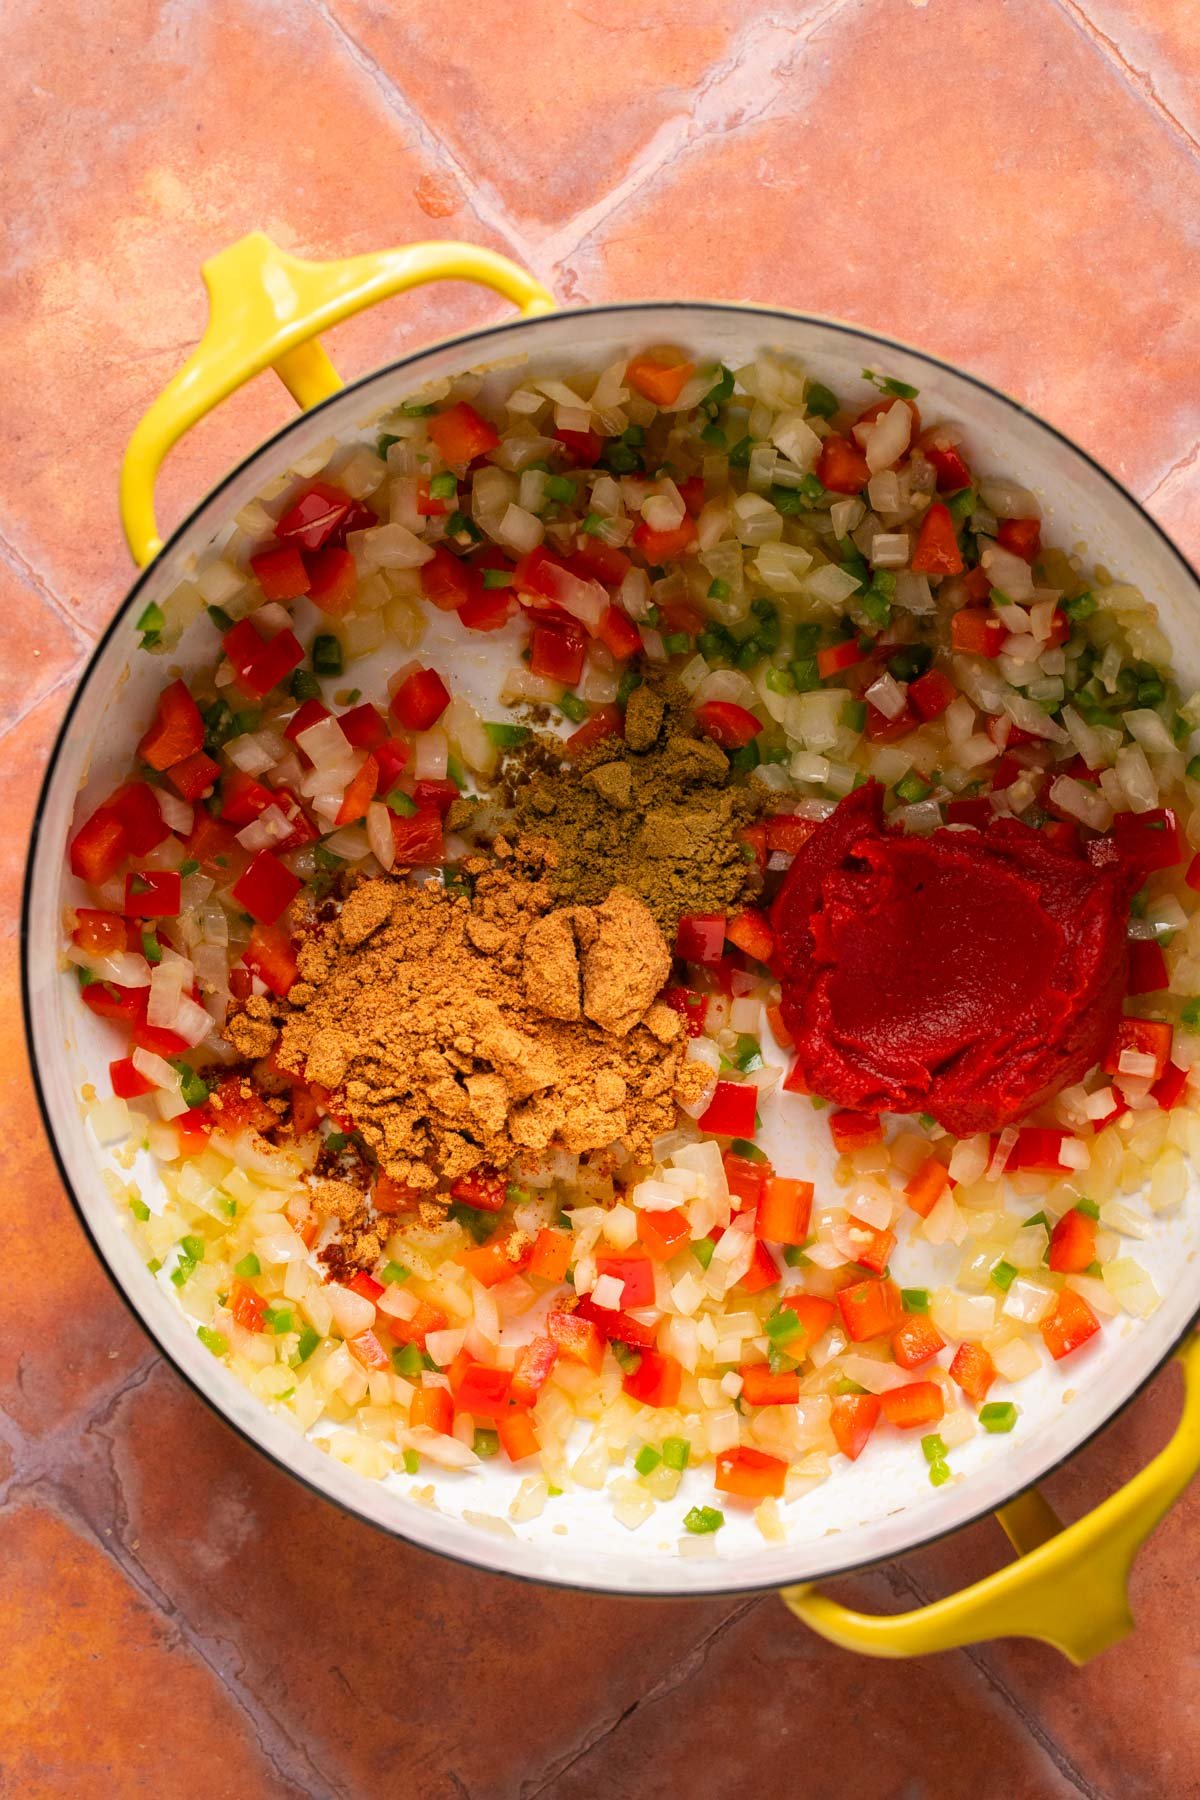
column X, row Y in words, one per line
column 461, row 340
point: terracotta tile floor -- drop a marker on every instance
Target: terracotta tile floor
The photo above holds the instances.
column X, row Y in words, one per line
column 1013, row 183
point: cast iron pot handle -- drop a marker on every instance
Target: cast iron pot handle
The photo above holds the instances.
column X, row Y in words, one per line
column 265, row 310
column 1068, row 1585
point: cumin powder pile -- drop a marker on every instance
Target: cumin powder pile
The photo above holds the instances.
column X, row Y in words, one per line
column 656, row 811
column 457, row 1031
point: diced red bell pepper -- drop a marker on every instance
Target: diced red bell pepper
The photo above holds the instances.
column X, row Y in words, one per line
column 618, row 1327
column 99, row 933
column 784, row 1210
column 518, row 1438
column 1149, row 1037
column 108, row 1000
column 366, row 1285
column 841, row 466
column 481, row 1391
column 755, row 838
column 700, row 937
column 418, row 839
column 1022, row 536
column 446, row 580
column 664, row 1233
column 976, row 632
column 619, row 634
column 926, row 1185
column 128, row 1083
column 433, row 1408
column 761, row 1388
column 436, row 793
column 854, row 1130
column 483, row 1188
column 635, row 1270
column 1073, row 1243
column 936, row 551
column 176, row 730
column 662, row 546
column 195, row 776
column 246, row 1306
column 461, row 435
column 577, row 1338
column 552, row 1252
column 584, row 448
column 533, row 1369
column 750, row 930
column 427, row 506
column 158, row 1039
column 852, row 1419
column 728, row 724
column 915, row 1340
column 99, row 848
column 367, row 1350
column 360, row 791
column 594, row 560
column 931, row 694
column 730, row 1112
column 779, row 1030
column 746, row 1178
column 870, row 1309
column 690, row 1006
column 318, row 515
column 656, row 1381
column 242, row 798
column 1039, row 1147
column 1148, row 841
column 333, row 581
column 605, row 722
column 272, row 956
column 259, row 663
column 392, row 1196
column 977, row 811
column 872, row 1246
column 280, row 572
column 1070, row 1325
column 974, row 1371
column 750, row 1474
column 392, row 756
column 836, row 657
column 557, row 651
column 363, row 726
column 813, row 1316
column 153, row 893
column 415, row 1330
column 267, row 888
column 307, row 714
column 487, row 609
column 919, row 1403
column 691, row 492
column 491, row 1262
column 884, row 404
column 658, row 380
column 136, row 804
column 787, row 833
column 882, row 730
column 420, row 700
column 1170, row 1087
column 763, row 1271
column 952, row 472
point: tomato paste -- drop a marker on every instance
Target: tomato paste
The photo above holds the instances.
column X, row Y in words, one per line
column 968, row 974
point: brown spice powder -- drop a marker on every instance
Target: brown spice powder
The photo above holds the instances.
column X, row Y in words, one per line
column 460, row 1032
column 655, row 812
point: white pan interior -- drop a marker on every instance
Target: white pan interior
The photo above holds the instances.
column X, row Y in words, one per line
column 864, row 1512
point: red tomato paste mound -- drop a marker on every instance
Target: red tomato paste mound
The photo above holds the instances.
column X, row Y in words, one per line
column 969, row 974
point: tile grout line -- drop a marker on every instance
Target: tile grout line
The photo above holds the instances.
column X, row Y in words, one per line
column 1186, row 464
column 678, row 1676
column 476, row 191
column 902, row 1581
column 24, row 572
column 1132, row 77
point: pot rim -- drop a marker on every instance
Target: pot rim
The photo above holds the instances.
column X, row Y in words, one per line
column 485, row 335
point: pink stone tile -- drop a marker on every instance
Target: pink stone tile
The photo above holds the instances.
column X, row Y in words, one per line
column 101, row 1697
column 1156, row 44
column 41, row 646
column 999, row 233
column 223, row 118
column 550, row 109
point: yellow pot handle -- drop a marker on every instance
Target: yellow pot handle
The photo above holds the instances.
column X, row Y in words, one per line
column 265, row 310
column 1067, row 1587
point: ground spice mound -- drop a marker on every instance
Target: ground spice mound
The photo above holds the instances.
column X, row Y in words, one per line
column 457, row 1031
column 655, row 812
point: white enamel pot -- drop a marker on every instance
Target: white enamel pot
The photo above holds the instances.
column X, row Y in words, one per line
column 1066, row 1586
